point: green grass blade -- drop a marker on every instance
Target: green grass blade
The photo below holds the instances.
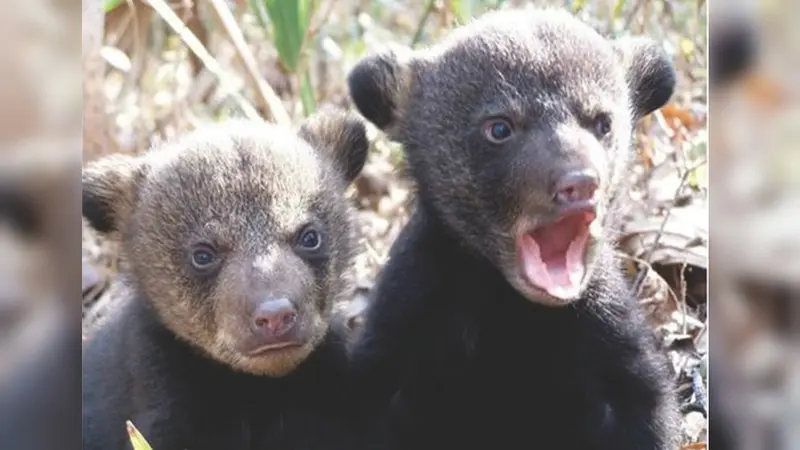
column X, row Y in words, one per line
column 619, row 8
column 462, row 10
column 109, row 5
column 289, row 20
column 307, row 95
column 137, row 440
column 578, row 5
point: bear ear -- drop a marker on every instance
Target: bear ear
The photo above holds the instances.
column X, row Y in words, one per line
column 649, row 72
column 379, row 84
column 342, row 136
column 732, row 49
column 109, row 186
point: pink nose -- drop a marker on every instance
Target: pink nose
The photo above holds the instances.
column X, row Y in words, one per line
column 576, row 186
column 274, row 318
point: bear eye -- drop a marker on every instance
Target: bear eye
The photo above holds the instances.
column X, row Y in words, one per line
column 203, row 257
column 602, row 125
column 309, row 239
column 497, row 130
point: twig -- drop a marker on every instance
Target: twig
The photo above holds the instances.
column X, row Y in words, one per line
column 684, row 306
column 422, row 21
column 376, row 257
column 205, row 80
column 701, row 4
column 632, row 15
column 699, row 390
column 640, row 277
column 120, row 30
column 194, row 44
column 269, row 99
column 316, row 21
column 659, row 278
column 138, row 51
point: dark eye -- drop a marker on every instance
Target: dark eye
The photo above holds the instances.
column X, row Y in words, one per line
column 203, row 257
column 602, row 125
column 497, row 130
column 309, row 239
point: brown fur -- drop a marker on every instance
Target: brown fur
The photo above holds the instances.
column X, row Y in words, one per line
column 247, row 188
column 176, row 356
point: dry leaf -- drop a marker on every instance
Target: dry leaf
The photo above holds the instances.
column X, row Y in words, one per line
column 764, row 93
column 684, row 116
column 116, row 58
column 678, row 244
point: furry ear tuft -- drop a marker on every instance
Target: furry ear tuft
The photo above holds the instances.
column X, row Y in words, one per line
column 649, row 72
column 109, row 186
column 342, row 136
column 378, row 85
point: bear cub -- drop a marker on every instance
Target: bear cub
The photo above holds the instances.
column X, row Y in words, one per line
column 502, row 318
column 237, row 241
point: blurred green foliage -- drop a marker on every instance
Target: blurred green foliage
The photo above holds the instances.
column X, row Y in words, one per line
column 289, row 23
column 109, row 5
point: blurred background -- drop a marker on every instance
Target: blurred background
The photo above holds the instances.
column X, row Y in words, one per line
column 755, row 246
column 151, row 70
column 40, row 120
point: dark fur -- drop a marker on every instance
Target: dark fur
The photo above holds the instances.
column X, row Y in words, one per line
column 733, row 50
column 467, row 356
column 167, row 360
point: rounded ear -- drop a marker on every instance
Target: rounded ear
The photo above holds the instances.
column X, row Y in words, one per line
column 340, row 135
column 732, row 49
column 379, row 84
column 649, row 72
column 109, row 186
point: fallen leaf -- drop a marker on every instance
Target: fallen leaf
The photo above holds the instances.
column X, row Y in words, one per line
column 672, row 112
column 116, row 58
column 678, row 242
column 694, row 425
column 688, row 48
column 764, row 93
column 646, row 155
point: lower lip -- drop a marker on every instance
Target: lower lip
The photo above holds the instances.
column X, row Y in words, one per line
column 543, row 292
column 271, row 348
column 587, row 207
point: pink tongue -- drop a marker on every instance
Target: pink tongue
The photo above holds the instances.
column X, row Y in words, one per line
column 552, row 257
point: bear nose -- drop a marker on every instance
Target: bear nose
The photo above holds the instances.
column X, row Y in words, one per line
column 575, row 187
column 274, row 318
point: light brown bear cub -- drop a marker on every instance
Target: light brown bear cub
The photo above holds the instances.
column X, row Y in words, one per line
column 237, row 241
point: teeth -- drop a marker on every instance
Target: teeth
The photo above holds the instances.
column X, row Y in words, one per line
column 595, row 229
column 564, row 292
column 575, row 275
column 557, row 291
column 575, row 260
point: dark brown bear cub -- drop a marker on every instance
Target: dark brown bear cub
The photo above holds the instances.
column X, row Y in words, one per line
column 502, row 319
column 237, row 241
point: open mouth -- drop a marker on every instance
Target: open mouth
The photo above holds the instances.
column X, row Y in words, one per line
column 551, row 256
